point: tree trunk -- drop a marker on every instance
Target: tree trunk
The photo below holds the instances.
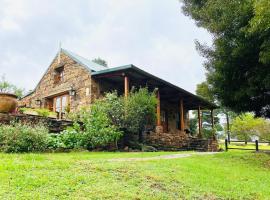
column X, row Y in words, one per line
column 228, row 127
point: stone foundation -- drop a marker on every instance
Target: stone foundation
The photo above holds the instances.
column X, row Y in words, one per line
column 179, row 141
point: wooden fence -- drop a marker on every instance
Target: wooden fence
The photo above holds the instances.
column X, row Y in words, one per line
column 256, row 142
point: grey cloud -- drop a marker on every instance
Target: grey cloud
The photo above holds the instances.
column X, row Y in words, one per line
column 152, row 34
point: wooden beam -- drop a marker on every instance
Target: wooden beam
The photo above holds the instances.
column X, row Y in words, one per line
column 158, row 109
column 182, row 123
column 213, row 124
column 126, row 79
column 212, row 118
column 199, row 122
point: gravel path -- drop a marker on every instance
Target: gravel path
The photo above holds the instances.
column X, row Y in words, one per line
column 162, row 157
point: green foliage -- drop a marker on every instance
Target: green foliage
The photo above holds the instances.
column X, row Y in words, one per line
column 100, row 62
column 193, row 125
column 264, row 130
column 140, row 109
column 54, row 142
column 23, row 138
column 246, row 125
column 238, row 62
column 99, row 129
column 70, row 138
column 38, row 111
column 7, row 87
column 100, row 121
column 108, row 118
column 203, row 89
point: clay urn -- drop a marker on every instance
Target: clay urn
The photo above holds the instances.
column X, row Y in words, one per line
column 8, row 102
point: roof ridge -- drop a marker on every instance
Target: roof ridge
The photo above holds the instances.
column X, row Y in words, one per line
column 89, row 64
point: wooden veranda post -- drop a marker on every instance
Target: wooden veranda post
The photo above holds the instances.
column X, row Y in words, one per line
column 158, row 109
column 126, row 80
column 213, row 123
column 199, row 122
column 182, row 123
column 212, row 118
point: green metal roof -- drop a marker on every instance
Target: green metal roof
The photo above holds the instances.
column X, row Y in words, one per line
column 132, row 67
column 90, row 65
column 113, row 69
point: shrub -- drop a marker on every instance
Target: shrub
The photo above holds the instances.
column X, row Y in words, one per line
column 23, row 138
column 99, row 129
column 140, row 110
column 54, row 142
column 71, row 138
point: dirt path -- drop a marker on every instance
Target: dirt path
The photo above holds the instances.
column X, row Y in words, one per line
column 162, row 157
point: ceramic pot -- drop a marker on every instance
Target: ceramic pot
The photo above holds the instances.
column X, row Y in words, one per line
column 8, row 102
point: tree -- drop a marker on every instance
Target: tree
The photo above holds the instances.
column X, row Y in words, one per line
column 6, row 87
column 238, row 62
column 246, row 125
column 100, row 62
column 264, row 131
column 203, row 89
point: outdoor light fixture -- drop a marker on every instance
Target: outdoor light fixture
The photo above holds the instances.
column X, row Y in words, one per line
column 38, row 102
column 72, row 92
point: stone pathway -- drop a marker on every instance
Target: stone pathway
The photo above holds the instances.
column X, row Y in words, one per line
column 163, row 157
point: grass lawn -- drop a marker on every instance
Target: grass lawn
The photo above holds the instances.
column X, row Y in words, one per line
column 242, row 145
column 84, row 175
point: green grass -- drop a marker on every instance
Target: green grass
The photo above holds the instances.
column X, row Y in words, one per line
column 83, row 175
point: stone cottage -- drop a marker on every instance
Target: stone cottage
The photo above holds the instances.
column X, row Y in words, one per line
column 72, row 81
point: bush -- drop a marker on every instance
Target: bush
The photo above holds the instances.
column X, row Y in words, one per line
column 99, row 129
column 71, row 139
column 18, row 137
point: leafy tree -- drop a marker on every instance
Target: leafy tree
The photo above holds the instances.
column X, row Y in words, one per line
column 203, row 89
column 7, row 87
column 264, row 131
column 238, row 62
column 100, row 62
column 140, row 110
column 246, row 125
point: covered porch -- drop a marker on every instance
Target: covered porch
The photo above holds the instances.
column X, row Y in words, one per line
column 174, row 103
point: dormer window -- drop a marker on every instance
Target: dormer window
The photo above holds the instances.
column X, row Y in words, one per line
column 59, row 74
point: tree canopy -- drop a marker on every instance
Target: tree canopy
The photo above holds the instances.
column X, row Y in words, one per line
column 100, row 62
column 238, row 62
column 7, row 87
column 246, row 125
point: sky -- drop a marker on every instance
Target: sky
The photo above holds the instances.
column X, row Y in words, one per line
column 151, row 34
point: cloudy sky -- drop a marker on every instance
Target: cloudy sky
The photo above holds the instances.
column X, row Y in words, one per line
column 151, row 34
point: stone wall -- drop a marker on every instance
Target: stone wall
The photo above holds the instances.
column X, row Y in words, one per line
column 75, row 76
column 54, row 125
column 179, row 141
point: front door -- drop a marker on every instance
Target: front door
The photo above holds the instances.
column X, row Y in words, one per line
column 61, row 105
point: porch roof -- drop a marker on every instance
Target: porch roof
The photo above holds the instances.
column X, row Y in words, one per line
column 168, row 91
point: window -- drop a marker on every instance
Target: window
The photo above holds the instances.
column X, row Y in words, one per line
column 59, row 75
column 61, row 104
